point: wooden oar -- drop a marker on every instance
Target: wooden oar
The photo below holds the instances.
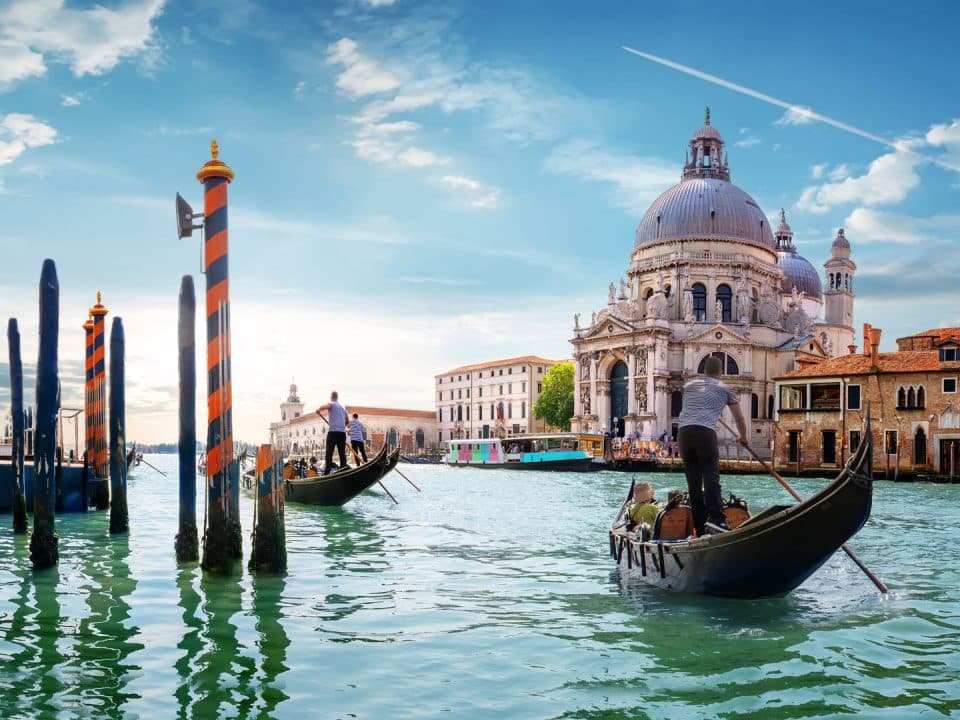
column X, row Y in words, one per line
column 155, row 468
column 627, row 500
column 356, row 459
column 407, row 479
column 881, row 586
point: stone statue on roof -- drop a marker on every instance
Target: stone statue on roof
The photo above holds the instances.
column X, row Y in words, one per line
column 611, row 294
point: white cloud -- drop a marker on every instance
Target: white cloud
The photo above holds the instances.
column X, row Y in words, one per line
column 18, row 62
column 426, row 280
column 875, row 226
column 839, row 172
column 90, row 40
column 388, row 128
column 889, row 179
column 796, row 115
column 459, row 182
column 816, row 171
column 73, row 100
column 164, row 130
column 479, row 196
column 19, row 132
column 379, row 3
column 488, row 201
column 946, row 136
column 361, row 76
column 418, row 157
column 748, row 141
column 298, row 90
column 636, row 181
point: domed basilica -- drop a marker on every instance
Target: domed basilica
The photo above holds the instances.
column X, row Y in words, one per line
column 708, row 275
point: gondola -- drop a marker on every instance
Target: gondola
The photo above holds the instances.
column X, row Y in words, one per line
column 769, row 554
column 338, row 487
column 131, row 459
column 392, row 459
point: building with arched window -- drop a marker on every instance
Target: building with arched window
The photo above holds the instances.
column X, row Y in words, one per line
column 740, row 291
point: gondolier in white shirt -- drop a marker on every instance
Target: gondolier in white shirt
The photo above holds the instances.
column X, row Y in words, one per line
column 704, row 399
column 356, row 437
column 336, row 431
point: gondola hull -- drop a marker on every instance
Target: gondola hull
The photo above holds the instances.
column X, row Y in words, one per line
column 339, row 487
column 769, row 555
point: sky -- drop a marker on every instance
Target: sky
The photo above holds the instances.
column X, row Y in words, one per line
column 425, row 185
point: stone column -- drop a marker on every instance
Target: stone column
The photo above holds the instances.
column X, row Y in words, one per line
column 577, row 409
column 631, row 382
column 594, row 400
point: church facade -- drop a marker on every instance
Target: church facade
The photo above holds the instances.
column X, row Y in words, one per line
column 708, row 275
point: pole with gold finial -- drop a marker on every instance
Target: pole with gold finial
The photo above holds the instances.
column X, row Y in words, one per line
column 88, row 392
column 222, row 540
column 101, row 454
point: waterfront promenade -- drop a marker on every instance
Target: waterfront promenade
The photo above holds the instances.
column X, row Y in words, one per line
column 489, row 595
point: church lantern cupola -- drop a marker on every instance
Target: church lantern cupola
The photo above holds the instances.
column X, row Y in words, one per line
column 705, row 158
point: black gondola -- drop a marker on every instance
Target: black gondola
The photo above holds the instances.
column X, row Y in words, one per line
column 338, row 487
column 392, row 459
column 769, row 554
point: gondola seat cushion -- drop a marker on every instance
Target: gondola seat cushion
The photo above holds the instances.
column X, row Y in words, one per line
column 674, row 523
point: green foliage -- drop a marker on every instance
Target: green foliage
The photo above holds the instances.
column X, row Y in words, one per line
column 555, row 405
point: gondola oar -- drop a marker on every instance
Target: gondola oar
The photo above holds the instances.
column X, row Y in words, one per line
column 407, row 479
column 151, row 466
column 356, row 459
column 881, row 586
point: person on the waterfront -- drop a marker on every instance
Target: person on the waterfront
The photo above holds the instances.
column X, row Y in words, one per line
column 336, row 431
column 703, row 401
column 356, row 437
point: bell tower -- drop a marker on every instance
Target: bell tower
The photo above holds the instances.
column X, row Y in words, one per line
column 839, row 283
column 292, row 408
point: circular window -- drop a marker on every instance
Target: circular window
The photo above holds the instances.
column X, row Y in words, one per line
column 609, row 328
column 718, row 335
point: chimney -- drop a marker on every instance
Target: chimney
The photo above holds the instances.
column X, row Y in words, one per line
column 875, row 347
column 866, row 338
column 852, row 349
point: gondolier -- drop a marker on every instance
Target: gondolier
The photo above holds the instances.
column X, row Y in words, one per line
column 704, row 399
column 356, row 437
column 336, row 431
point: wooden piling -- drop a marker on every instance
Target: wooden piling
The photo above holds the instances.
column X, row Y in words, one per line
column 87, row 397
column 186, row 543
column 222, row 540
column 16, row 411
column 269, row 555
column 119, row 519
column 44, row 550
column 101, row 456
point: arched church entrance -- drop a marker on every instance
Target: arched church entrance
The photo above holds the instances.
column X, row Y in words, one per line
column 618, row 398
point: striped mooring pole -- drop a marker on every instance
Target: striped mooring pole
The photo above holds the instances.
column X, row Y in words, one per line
column 44, row 550
column 119, row 519
column 269, row 555
column 101, row 456
column 88, row 396
column 221, row 541
column 19, row 431
column 186, row 543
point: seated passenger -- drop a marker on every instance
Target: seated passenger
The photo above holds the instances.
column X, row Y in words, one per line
column 644, row 510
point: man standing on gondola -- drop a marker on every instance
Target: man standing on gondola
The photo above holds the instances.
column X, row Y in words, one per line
column 336, row 431
column 703, row 401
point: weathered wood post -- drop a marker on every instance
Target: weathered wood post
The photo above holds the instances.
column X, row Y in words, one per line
column 222, row 540
column 119, row 519
column 44, row 552
column 101, row 459
column 16, row 410
column 186, row 543
column 269, row 553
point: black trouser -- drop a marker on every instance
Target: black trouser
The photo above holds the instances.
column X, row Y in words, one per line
column 701, row 465
column 338, row 439
column 358, row 447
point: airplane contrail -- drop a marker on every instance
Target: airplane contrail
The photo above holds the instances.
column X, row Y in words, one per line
column 797, row 109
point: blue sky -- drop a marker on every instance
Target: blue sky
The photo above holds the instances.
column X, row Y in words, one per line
column 422, row 185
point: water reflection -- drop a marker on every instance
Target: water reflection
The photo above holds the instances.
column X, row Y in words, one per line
column 272, row 641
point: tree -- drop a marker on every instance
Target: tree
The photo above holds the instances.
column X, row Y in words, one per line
column 555, row 405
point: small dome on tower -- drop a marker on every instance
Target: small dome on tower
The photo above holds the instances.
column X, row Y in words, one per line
column 841, row 246
column 797, row 270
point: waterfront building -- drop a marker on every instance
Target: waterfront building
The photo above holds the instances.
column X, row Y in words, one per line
column 304, row 432
column 490, row 399
column 708, row 275
column 912, row 396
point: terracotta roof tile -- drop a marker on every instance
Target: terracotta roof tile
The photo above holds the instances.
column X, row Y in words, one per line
column 938, row 334
column 858, row 364
column 532, row 359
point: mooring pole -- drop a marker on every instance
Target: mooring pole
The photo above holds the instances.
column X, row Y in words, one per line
column 16, row 410
column 43, row 544
column 186, row 543
column 101, row 457
column 222, row 540
column 88, row 422
column 269, row 539
column 119, row 519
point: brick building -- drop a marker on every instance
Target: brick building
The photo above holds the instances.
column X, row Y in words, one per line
column 912, row 396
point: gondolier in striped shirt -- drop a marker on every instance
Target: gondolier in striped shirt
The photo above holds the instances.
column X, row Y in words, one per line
column 356, row 437
column 704, row 399
column 336, row 431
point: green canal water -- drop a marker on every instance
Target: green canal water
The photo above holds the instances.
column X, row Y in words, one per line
column 489, row 595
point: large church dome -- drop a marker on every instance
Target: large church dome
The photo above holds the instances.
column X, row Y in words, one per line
column 705, row 205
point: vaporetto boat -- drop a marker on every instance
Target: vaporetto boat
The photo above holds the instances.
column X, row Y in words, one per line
column 519, row 452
